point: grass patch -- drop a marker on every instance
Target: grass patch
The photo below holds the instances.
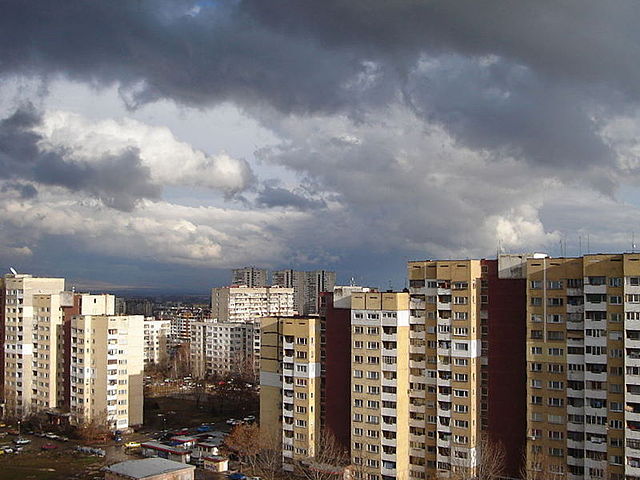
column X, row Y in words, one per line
column 50, row 466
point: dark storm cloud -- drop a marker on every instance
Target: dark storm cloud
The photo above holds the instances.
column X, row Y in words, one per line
column 26, row 190
column 276, row 196
column 571, row 59
column 119, row 181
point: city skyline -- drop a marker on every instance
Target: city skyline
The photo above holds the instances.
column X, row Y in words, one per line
column 162, row 143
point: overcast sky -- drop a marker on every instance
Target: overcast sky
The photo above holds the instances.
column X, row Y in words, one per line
column 162, row 142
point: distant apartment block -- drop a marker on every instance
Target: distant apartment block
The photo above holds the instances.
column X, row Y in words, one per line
column 223, row 348
column 156, row 337
column 138, row 306
column 243, row 304
column 250, row 277
column 307, row 287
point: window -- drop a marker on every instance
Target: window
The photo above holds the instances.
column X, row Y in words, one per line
column 536, row 367
column 535, row 284
column 615, row 300
column 555, row 402
column 615, row 281
column 555, row 318
column 536, row 301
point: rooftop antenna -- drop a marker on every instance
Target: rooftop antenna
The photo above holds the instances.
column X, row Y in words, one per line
column 352, row 282
column 580, row 244
column 633, row 242
column 588, row 246
column 13, row 270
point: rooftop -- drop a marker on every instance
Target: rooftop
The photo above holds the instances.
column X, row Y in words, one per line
column 147, row 467
column 165, row 448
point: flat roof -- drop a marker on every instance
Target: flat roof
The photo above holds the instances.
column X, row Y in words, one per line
column 147, row 467
column 165, row 448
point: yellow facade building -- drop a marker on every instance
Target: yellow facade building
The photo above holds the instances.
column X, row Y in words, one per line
column 290, row 384
column 583, row 366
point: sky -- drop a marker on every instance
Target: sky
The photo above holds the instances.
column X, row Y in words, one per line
column 155, row 144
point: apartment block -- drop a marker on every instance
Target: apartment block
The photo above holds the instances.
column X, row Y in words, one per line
column 445, row 367
column 223, row 348
column 290, row 384
column 307, row 287
column 381, row 416
column 250, row 277
column 240, row 304
column 156, row 336
column 335, row 317
column 30, row 325
column 583, row 357
column 107, row 368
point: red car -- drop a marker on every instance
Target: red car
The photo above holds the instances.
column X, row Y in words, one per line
column 49, row 446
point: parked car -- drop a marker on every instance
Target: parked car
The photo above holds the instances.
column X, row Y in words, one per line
column 22, row 441
column 132, row 445
column 48, row 446
column 203, row 428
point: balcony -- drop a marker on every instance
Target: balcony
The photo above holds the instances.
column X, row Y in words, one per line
column 575, row 308
column 417, row 304
column 595, row 289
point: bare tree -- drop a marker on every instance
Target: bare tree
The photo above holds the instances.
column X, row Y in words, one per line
column 96, row 428
column 260, row 451
column 491, row 459
column 490, row 462
column 535, row 464
column 328, row 459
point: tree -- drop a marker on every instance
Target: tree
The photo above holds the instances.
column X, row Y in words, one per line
column 261, row 452
column 491, row 459
column 96, row 428
column 537, row 464
column 328, row 459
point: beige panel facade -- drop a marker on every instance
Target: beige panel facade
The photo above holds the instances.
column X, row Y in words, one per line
column 290, row 384
column 31, row 323
column 445, row 367
column 107, row 365
column 380, row 409
column 583, row 366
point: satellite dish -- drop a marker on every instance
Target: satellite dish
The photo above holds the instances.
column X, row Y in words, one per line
column 13, row 270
